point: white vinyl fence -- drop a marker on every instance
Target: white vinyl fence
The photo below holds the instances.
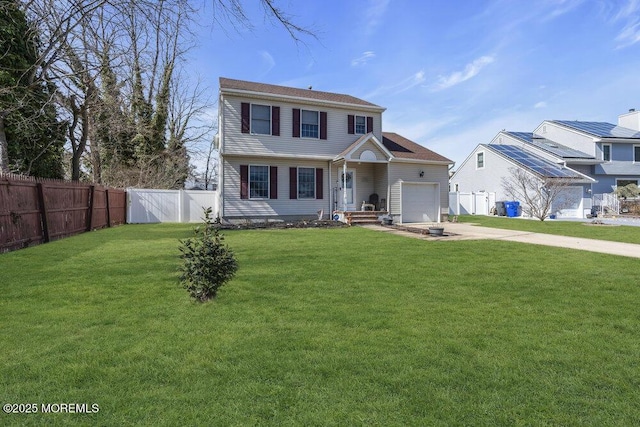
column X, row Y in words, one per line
column 475, row 203
column 147, row 206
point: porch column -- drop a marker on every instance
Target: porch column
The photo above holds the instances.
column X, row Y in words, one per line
column 344, row 186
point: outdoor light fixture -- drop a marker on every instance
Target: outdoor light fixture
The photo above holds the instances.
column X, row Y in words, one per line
column 421, row 174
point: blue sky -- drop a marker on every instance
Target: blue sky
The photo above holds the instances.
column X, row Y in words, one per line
column 451, row 74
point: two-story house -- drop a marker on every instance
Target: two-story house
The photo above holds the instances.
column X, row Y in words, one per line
column 290, row 153
column 596, row 156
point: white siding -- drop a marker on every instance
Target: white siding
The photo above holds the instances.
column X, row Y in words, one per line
column 410, row 172
column 338, row 138
column 283, row 206
column 487, row 179
column 567, row 137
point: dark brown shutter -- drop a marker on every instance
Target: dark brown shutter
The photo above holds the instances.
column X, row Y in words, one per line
column 319, row 183
column 323, row 125
column 351, row 126
column 296, row 123
column 275, row 121
column 244, row 111
column 293, row 183
column 244, row 181
column 273, row 182
column 369, row 124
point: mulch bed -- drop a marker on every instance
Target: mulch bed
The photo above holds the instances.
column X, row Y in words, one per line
column 257, row 225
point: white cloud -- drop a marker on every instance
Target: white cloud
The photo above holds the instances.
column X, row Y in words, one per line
column 363, row 59
column 630, row 33
column 561, row 7
column 374, row 14
column 540, row 104
column 470, row 70
column 267, row 61
column 399, row 87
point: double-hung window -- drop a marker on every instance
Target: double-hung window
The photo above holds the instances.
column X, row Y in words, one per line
column 260, row 119
column 310, row 124
column 258, row 182
column 636, row 153
column 361, row 125
column 306, row 183
column 480, row 160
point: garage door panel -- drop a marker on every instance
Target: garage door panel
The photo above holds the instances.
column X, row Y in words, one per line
column 419, row 203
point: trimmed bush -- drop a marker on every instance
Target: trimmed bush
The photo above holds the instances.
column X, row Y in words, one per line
column 207, row 262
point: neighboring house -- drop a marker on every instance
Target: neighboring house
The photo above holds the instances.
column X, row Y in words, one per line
column 597, row 156
column 290, row 153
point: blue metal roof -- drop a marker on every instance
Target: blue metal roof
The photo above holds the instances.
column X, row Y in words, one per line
column 549, row 146
column 600, row 129
column 523, row 136
column 535, row 163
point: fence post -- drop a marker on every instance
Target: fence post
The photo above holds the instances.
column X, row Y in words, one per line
column 106, row 195
column 43, row 213
column 90, row 213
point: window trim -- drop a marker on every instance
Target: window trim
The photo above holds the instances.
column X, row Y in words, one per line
column 636, row 147
column 483, row 160
column 610, row 152
column 355, row 125
column 299, row 180
column 302, row 110
column 637, row 181
column 251, row 131
column 249, row 196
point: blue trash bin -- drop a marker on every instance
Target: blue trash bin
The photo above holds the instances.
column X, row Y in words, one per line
column 512, row 209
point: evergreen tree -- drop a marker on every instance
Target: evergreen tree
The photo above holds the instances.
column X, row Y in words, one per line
column 31, row 137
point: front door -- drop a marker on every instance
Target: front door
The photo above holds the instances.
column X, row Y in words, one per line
column 347, row 190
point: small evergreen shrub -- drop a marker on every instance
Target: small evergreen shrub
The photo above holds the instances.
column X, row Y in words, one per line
column 207, row 262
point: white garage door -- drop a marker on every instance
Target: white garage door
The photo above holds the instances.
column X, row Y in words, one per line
column 420, row 202
column 568, row 203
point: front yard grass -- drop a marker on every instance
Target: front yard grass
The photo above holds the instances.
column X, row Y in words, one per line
column 614, row 233
column 320, row 327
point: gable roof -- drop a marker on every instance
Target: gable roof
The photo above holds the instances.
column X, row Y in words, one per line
column 242, row 86
column 599, row 129
column 369, row 137
column 536, row 164
column 549, row 146
column 402, row 148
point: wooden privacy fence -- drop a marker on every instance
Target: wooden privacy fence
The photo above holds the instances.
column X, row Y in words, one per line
column 34, row 211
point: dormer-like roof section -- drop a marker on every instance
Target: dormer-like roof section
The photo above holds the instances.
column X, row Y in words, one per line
column 291, row 93
column 549, row 146
column 404, row 149
column 600, row 129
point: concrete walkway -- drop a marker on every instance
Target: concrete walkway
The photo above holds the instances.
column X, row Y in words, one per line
column 464, row 231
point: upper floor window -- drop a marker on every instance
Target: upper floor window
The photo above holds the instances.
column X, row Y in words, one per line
column 260, row 119
column 258, row 182
column 636, row 153
column 361, row 125
column 310, row 124
column 480, row 160
column 606, row 152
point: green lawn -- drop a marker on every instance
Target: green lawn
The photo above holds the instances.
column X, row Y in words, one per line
column 623, row 233
column 320, row 327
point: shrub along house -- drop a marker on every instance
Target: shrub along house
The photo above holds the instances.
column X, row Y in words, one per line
column 291, row 153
